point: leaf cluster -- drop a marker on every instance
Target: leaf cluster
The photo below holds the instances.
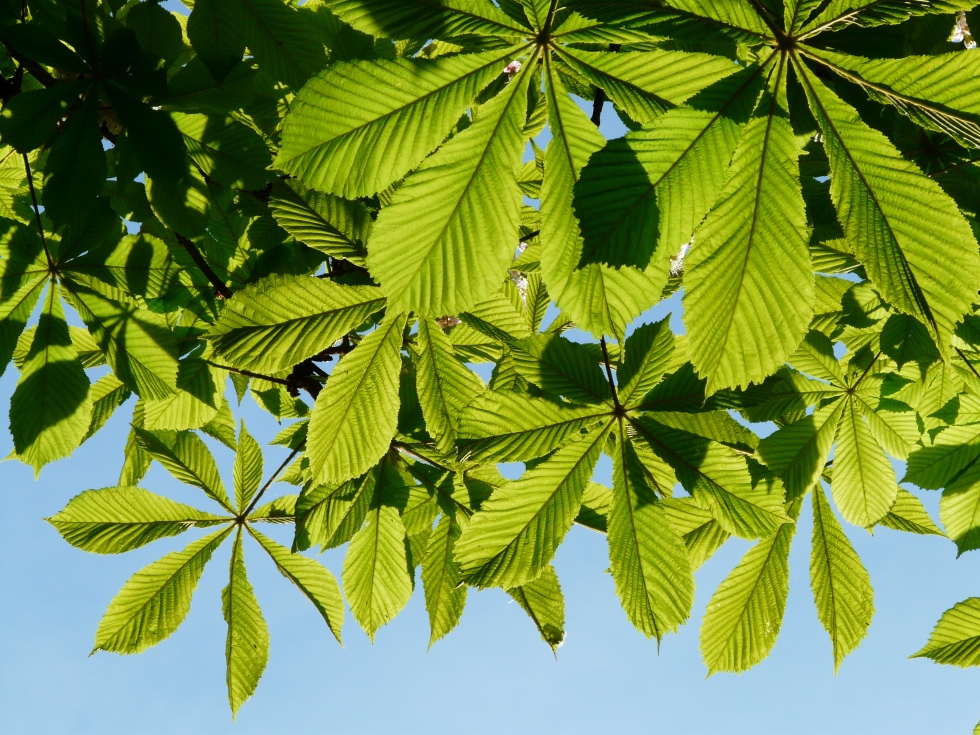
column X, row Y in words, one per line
column 342, row 207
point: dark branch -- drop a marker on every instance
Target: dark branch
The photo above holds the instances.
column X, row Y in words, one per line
column 220, row 289
column 618, row 408
column 37, row 212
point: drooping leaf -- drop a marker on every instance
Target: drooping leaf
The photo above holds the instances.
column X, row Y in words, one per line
column 356, row 415
column 50, row 409
column 543, row 601
column 445, row 594
column 841, row 586
column 247, row 643
column 746, row 611
column 377, row 577
column 748, row 281
column 647, row 556
column 311, row 578
column 445, row 386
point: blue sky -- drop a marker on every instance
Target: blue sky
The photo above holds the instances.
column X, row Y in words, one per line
column 492, row 675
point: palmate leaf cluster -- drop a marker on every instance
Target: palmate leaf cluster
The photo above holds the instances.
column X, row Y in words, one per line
column 343, row 207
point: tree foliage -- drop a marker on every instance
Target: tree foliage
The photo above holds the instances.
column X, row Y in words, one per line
column 343, row 207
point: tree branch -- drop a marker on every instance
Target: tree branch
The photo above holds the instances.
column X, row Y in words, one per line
column 37, row 212
column 617, row 406
column 220, row 288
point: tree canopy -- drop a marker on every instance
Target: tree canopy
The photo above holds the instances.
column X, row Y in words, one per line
column 343, row 206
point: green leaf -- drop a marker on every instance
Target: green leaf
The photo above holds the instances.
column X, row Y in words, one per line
column 956, row 638
column 424, row 18
column 745, row 613
column 909, row 515
column 702, row 534
column 137, row 342
column 904, row 339
column 16, row 306
column 247, row 644
column 864, row 483
column 119, row 519
column 749, row 287
column 311, row 578
column 451, row 229
column 649, row 351
column 154, row 601
column 917, row 248
column 193, row 405
column 156, row 140
column 215, row 31
column 445, row 594
column 953, row 450
column 108, row 394
column 30, row 118
column 516, row 532
column 229, row 152
column 406, row 108
column 286, row 47
column 76, row 167
column 647, row 84
column 841, row 586
column 649, row 191
column 574, row 140
column 157, row 31
column 649, row 561
column 248, row 468
column 283, row 320
column 841, row 13
column 330, row 516
column 187, row 458
column 377, row 575
column 562, row 368
column 740, row 15
column 799, row 451
column 504, row 426
column 959, row 510
column 51, row 409
column 445, row 386
column 356, row 415
column 542, row 600
column 326, row 223
column 718, row 478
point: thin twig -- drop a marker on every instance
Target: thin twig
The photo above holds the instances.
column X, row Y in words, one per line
column 219, row 286
column 612, row 386
column 268, row 484
column 248, row 374
column 37, row 212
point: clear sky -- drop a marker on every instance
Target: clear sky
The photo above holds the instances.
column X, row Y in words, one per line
column 493, row 674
